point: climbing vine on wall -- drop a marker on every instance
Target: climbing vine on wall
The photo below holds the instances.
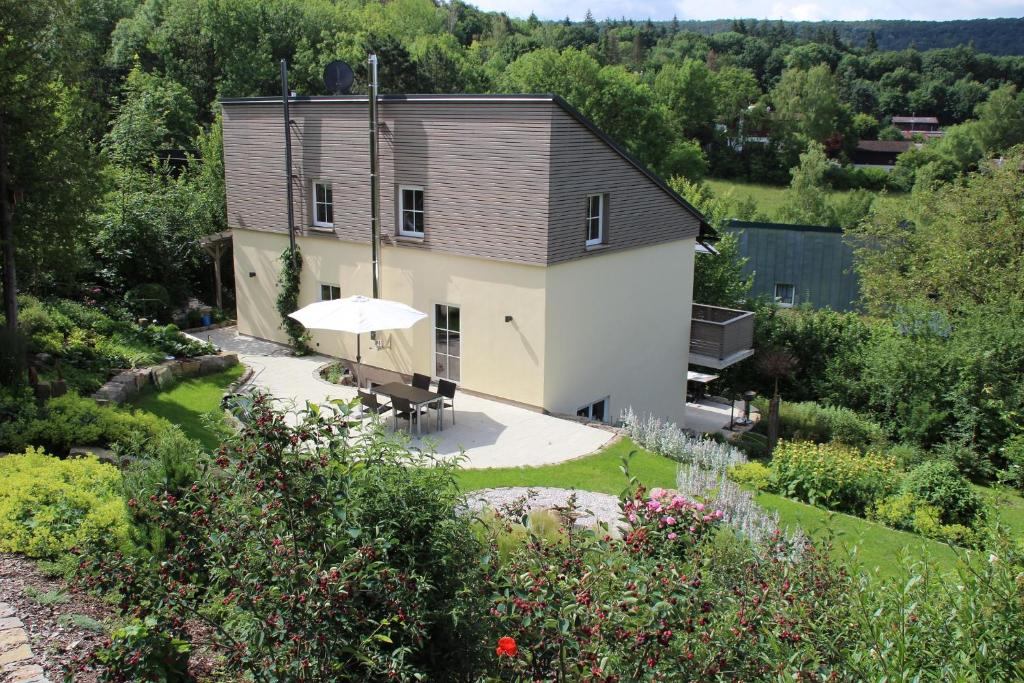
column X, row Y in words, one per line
column 288, row 300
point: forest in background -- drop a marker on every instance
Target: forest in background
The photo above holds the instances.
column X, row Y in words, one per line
column 110, row 143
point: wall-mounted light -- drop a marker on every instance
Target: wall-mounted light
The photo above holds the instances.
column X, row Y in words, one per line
column 508, row 318
column 252, row 273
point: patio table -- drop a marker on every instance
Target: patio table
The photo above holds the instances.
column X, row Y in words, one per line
column 417, row 397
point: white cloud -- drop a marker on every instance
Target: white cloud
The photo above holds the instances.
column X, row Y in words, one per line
column 935, row 10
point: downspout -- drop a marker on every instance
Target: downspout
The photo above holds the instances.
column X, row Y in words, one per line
column 288, row 158
column 374, row 180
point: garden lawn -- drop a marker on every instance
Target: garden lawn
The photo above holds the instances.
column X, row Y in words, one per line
column 769, row 198
column 877, row 546
column 188, row 401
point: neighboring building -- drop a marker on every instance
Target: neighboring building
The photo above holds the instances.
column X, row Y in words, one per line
column 925, row 126
column 556, row 271
column 796, row 264
column 879, row 153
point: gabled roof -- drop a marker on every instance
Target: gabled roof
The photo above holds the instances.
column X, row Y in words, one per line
column 706, row 231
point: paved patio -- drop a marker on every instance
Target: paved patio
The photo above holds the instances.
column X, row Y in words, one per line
column 492, row 434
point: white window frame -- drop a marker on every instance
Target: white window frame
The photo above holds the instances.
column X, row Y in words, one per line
column 401, row 211
column 589, row 409
column 594, row 241
column 433, row 331
column 322, row 224
column 327, row 284
column 778, row 299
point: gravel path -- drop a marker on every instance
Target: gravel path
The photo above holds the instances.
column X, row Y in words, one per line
column 592, row 506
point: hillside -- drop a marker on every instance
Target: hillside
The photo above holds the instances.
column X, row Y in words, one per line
column 994, row 36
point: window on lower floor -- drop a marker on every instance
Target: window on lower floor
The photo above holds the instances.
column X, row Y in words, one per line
column 598, row 410
column 448, row 342
column 785, row 294
column 329, row 292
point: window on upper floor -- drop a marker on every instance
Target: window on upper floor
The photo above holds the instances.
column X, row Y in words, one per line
column 323, row 205
column 410, row 211
column 785, row 294
column 329, row 292
column 595, row 219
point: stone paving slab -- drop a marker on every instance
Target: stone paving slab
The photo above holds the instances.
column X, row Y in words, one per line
column 15, row 652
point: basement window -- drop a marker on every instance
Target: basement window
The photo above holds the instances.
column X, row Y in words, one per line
column 598, row 410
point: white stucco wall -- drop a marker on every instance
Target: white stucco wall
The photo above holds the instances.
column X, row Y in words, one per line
column 618, row 325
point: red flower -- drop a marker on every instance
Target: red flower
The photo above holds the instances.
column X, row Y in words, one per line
column 506, row 647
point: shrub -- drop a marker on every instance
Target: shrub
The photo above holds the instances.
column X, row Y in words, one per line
column 906, row 511
column 1013, row 454
column 740, row 510
column 753, row 444
column 331, row 557
column 667, row 439
column 666, row 598
column 143, row 650
column 73, row 420
column 49, row 506
column 752, row 474
column 809, row 421
column 907, row 455
column 967, row 461
column 150, row 300
column 832, row 475
column 939, row 484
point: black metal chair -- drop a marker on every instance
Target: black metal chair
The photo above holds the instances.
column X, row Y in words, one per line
column 370, row 404
column 404, row 410
column 447, row 391
column 420, row 381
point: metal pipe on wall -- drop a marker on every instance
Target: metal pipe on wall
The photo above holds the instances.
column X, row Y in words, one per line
column 285, row 95
column 374, row 179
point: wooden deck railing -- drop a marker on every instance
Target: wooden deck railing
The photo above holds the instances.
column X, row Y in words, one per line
column 719, row 332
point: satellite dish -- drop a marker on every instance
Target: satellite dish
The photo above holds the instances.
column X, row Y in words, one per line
column 338, row 77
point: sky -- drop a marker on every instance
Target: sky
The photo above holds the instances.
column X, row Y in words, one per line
column 795, row 10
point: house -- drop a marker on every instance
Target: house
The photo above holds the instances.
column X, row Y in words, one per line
column 925, row 126
column 798, row 264
column 879, row 153
column 556, row 271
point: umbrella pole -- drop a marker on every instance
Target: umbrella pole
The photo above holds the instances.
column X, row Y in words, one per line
column 359, row 361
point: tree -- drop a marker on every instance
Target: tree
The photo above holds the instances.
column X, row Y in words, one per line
column 807, row 197
column 735, row 89
column 872, row 43
column 47, row 171
column 808, row 105
column 718, row 279
column 688, row 91
column 958, row 249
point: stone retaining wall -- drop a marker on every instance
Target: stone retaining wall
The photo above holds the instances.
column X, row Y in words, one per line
column 125, row 385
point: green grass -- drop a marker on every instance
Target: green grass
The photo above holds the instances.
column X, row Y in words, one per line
column 187, row 402
column 599, row 472
column 769, row 198
column 877, row 546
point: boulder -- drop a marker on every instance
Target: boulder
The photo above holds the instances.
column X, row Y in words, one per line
column 103, row 454
column 163, row 376
column 187, row 368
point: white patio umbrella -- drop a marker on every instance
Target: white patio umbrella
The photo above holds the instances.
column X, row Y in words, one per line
column 357, row 314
